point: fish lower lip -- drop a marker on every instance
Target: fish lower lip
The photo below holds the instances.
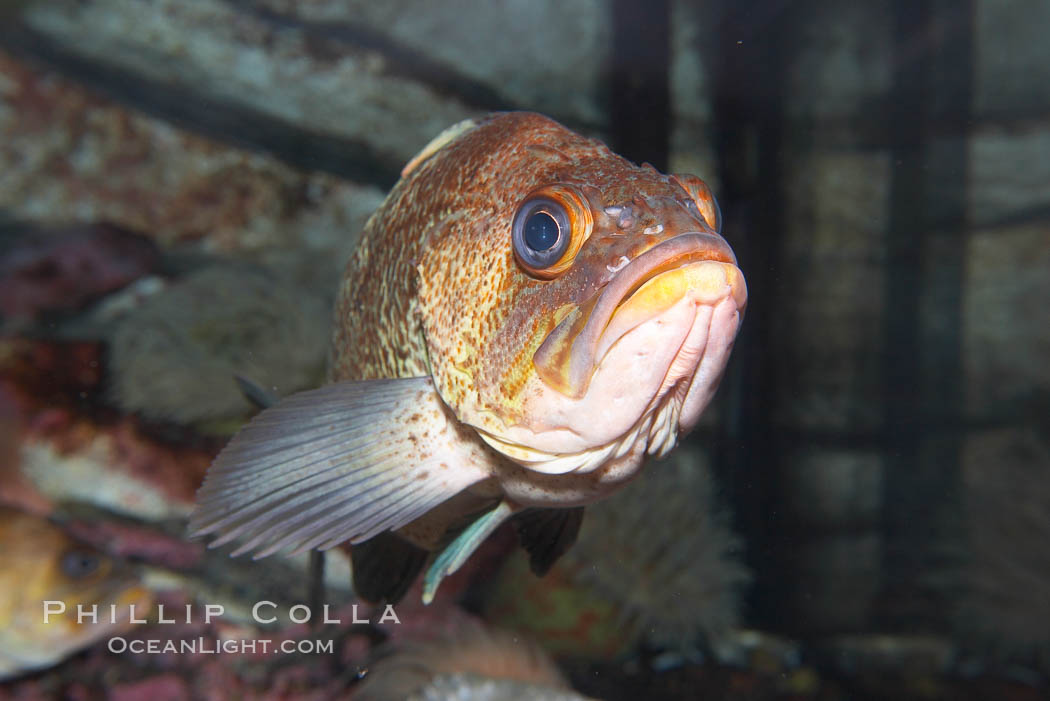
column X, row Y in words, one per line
column 706, row 282
column 567, row 357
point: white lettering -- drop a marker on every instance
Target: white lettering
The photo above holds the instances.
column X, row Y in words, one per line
column 160, row 615
column 259, row 605
column 81, row 615
column 389, row 615
column 49, row 609
column 327, row 615
column 133, row 619
column 205, row 646
column 213, row 610
column 301, row 607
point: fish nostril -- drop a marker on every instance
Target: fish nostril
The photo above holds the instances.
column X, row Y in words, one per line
column 626, row 219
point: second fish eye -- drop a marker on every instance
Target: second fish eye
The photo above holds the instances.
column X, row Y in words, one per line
column 79, row 563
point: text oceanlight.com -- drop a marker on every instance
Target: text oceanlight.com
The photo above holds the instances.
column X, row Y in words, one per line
column 207, row 646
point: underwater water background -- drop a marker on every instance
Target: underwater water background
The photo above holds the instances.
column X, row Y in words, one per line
column 864, row 511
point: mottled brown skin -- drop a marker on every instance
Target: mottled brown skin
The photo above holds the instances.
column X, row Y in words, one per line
column 434, row 287
column 436, row 271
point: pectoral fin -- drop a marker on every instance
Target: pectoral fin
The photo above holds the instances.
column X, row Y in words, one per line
column 546, row 534
column 385, row 567
column 453, row 557
column 340, row 463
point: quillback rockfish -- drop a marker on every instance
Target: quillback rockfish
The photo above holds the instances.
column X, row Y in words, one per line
column 527, row 317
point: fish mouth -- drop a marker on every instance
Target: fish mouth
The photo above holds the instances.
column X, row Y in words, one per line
column 698, row 264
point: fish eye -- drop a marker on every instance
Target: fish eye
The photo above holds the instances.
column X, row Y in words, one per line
column 541, row 232
column 548, row 230
column 78, row 564
column 702, row 200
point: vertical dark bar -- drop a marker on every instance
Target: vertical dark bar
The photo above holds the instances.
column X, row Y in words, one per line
column 902, row 489
column 749, row 65
column 931, row 98
column 317, row 588
column 640, row 93
column 948, row 167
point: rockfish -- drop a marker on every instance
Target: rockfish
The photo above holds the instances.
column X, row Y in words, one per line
column 39, row 563
column 527, row 317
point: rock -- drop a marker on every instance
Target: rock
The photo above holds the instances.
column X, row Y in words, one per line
column 46, row 271
column 359, row 88
column 175, row 357
column 68, row 154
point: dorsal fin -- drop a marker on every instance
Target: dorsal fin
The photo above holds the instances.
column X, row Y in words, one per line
column 437, row 143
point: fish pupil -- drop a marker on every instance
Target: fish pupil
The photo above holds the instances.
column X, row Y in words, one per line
column 541, row 232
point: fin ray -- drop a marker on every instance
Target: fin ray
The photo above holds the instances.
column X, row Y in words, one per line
column 385, row 567
column 350, row 515
column 546, row 534
column 452, row 557
column 296, row 486
column 281, row 527
column 341, row 463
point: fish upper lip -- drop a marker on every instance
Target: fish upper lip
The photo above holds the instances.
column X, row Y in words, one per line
column 667, row 255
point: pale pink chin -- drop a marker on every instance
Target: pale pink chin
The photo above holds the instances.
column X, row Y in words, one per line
column 676, row 357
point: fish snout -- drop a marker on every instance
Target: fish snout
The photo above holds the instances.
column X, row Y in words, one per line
column 697, row 264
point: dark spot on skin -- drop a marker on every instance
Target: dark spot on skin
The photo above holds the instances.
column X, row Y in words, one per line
column 423, row 475
column 413, row 438
column 415, row 417
column 444, row 466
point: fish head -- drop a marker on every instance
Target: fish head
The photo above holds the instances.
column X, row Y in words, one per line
column 584, row 307
column 46, row 570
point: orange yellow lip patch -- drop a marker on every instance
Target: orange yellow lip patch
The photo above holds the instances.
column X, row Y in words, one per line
column 705, row 282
